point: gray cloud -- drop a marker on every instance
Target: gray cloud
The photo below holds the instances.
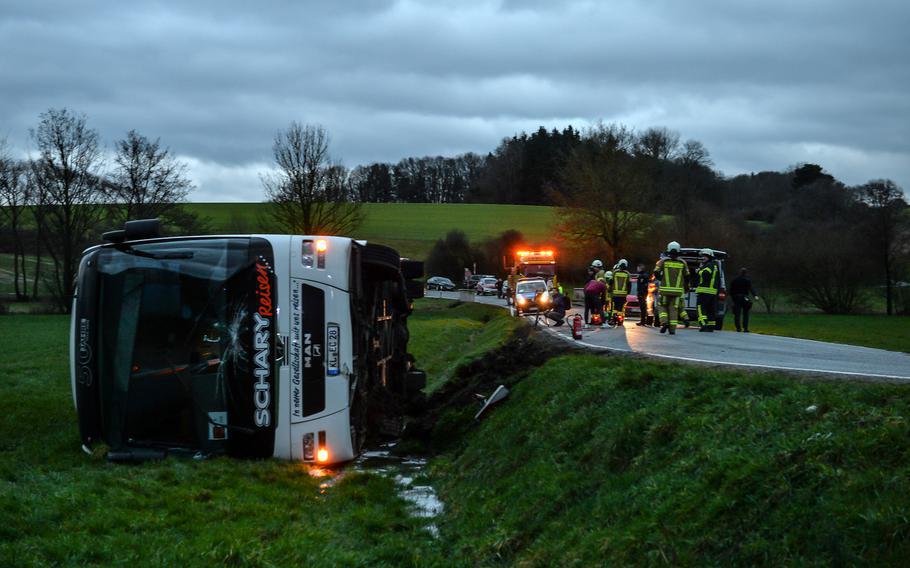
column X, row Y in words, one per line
column 763, row 85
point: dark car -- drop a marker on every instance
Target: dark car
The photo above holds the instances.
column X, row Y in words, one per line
column 439, row 283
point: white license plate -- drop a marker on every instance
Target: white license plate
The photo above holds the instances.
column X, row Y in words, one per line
column 333, row 338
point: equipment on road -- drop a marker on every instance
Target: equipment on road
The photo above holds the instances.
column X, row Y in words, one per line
column 577, row 323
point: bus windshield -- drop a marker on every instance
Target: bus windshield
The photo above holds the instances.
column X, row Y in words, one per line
column 176, row 343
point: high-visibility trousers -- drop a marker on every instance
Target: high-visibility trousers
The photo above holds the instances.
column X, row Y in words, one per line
column 619, row 305
column 669, row 309
column 707, row 308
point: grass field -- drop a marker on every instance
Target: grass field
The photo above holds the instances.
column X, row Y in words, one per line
column 590, row 461
column 412, row 228
column 877, row 331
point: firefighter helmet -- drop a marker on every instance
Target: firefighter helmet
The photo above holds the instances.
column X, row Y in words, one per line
column 673, row 246
column 597, row 264
column 623, row 263
column 608, row 275
column 707, row 252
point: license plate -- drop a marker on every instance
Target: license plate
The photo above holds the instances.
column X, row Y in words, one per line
column 333, row 338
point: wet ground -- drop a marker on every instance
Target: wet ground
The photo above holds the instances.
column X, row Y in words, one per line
column 408, row 472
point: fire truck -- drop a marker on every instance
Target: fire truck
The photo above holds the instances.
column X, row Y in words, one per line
column 531, row 263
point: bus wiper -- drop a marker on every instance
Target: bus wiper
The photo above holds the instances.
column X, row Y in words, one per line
column 157, row 256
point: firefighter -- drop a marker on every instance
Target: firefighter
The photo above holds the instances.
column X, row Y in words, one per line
column 596, row 270
column 607, row 278
column 706, row 290
column 673, row 273
column 620, row 289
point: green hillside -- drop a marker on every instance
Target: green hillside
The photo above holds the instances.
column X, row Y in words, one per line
column 412, row 228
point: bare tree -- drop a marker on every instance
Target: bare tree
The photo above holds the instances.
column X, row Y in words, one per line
column 70, row 192
column 887, row 227
column 604, row 193
column 310, row 193
column 14, row 199
column 147, row 181
column 657, row 144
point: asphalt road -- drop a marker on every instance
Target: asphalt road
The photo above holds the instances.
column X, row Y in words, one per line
column 749, row 350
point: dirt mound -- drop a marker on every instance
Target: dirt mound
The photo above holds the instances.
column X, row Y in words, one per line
column 507, row 365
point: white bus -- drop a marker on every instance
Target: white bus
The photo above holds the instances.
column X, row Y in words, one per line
column 282, row 346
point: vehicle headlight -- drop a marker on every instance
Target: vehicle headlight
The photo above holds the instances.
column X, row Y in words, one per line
column 522, row 300
column 545, row 298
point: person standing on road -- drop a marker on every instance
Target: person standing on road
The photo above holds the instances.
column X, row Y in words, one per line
column 673, row 273
column 641, row 290
column 620, row 289
column 740, row 289
column 499, row 288
column 706, row 290
column 594, row 298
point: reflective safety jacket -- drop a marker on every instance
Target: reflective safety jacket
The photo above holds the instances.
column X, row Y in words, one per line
column 620, row 283
column 707, row 278
column 674, row 276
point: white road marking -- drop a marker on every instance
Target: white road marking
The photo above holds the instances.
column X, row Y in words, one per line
column 754, row 365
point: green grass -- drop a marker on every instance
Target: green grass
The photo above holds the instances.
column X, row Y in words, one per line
column 7, row 287
column 877, row 331
column 59, row 506
column 446, row 334
column 591, row 461
column 412, row 228
column 617, row 461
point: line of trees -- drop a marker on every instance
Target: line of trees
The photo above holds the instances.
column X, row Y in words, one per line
column 803, row 234
column 54, row 203
column 619, row 193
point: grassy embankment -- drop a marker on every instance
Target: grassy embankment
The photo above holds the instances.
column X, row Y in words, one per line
column 613, row 460
column 445, row 335
column 591, row 460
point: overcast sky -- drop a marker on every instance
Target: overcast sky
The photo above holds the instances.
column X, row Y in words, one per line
column 764, row 85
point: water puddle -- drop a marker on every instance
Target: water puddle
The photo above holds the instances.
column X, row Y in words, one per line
column 408, row 472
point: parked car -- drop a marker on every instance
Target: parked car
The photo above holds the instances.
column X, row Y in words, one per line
column 440, row 283
column 472, row 282
column 632, row 306
column 486, row 286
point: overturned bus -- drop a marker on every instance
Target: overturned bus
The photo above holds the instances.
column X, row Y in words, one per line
column 282, row 346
